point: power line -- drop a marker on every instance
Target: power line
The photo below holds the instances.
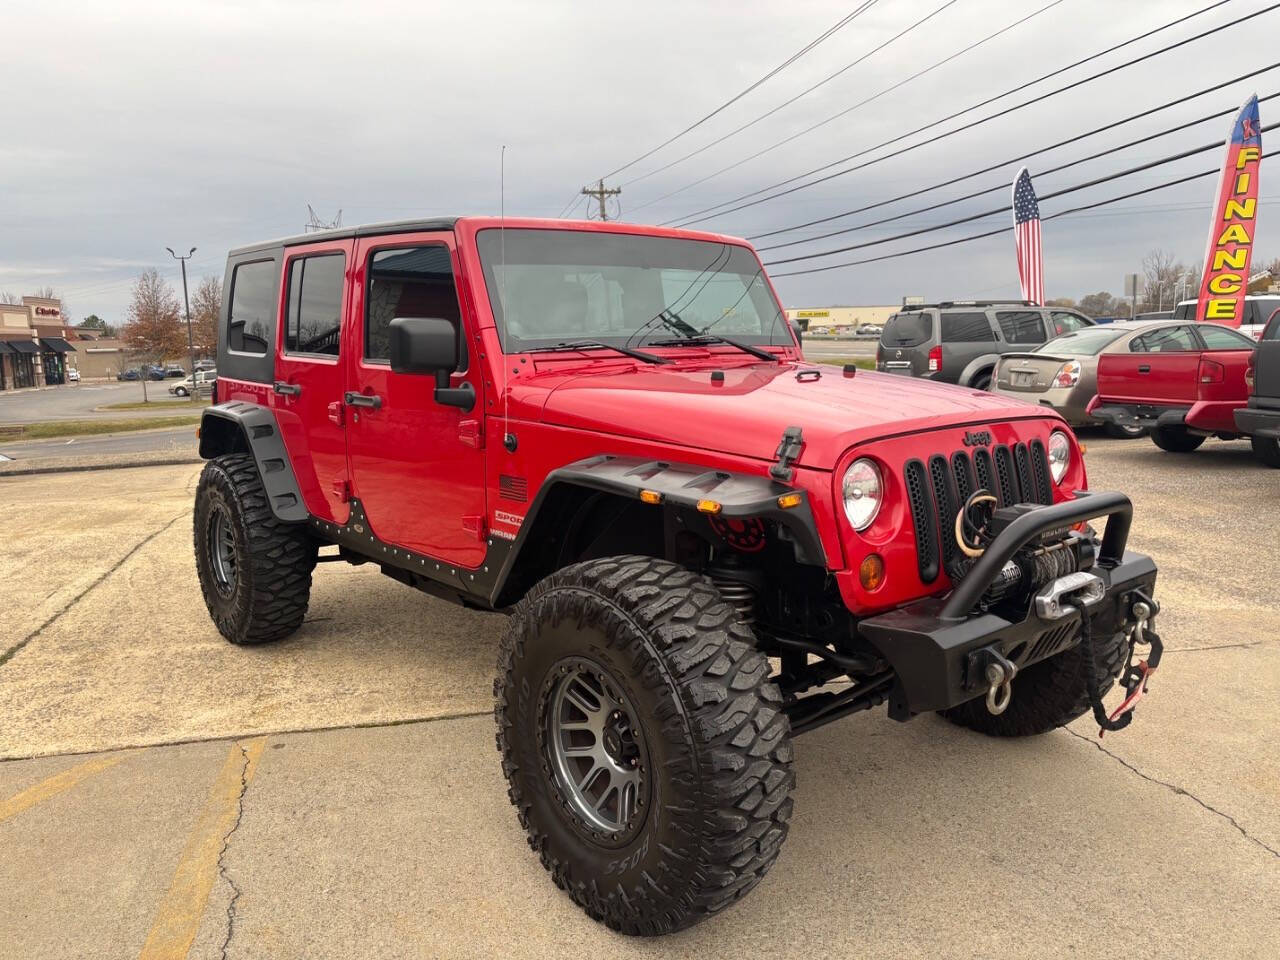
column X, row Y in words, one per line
column 1006, row 229
column 1017, row 159
column 1097, row 181
column 698, row 215
column 787, row 103
column 839, row 25
column 860, row 103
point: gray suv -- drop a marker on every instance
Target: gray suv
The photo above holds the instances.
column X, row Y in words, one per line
column 959, row 341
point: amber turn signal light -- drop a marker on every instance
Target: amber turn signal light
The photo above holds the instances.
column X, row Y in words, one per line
column 650, row 496
column 871, row 572
column 789, row 500
column 708, row 506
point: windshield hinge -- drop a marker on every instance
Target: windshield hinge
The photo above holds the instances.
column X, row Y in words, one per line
column 788, row 453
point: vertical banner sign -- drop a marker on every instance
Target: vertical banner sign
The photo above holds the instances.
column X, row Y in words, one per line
column 1231, row 231
column 1026, row 234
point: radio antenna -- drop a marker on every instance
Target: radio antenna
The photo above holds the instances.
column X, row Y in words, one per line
column 508, row 440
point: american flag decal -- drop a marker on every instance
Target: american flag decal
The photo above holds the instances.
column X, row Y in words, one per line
column 1026, row 230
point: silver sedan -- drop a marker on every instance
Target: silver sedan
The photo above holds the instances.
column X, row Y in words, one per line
column 1063, row 373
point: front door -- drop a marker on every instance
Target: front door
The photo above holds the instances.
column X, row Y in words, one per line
column 417, row 466
column 307, row 393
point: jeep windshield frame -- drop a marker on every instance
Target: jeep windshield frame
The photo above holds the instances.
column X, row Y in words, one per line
column 624, row 289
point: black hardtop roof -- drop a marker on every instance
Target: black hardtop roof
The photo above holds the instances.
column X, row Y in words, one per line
column 341, row 233
column 962, row 304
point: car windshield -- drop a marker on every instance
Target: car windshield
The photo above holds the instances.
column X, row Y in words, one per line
column 1082, row 343
column 550, row 286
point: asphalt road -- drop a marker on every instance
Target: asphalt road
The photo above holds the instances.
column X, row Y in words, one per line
column 174, row 439
column 164, row 794
column 78, row 402
column 818, row 349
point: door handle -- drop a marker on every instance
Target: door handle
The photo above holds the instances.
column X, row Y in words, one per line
column 287, row 389
column 1144, row 368
column 353, row 399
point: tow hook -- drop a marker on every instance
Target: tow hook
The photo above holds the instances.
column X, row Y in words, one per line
column 999, row 672
column 1137, row 676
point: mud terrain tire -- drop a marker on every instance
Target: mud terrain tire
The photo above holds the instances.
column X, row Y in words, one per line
column 261, row 594
column 1175, row 439
column 715, row 807
column 1048, row 694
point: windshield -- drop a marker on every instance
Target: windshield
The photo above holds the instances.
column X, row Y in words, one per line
column 549, row 286
column 1083, row 343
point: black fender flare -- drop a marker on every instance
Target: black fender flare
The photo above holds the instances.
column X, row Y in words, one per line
column 236, row 426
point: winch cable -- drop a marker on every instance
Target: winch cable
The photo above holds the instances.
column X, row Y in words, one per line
column 974, row 545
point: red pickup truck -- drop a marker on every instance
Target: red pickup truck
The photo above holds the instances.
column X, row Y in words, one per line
column 1183, row 381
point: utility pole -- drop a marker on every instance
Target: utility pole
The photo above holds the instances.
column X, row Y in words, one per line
column 601, row 194
column 186, row 302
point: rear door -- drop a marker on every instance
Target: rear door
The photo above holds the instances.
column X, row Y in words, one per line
column 905, row 342
column 1161, row 368
column 309, row 378
column 417, row 466
column 966, row 335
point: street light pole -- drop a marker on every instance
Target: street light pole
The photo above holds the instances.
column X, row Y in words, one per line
column 186, row 303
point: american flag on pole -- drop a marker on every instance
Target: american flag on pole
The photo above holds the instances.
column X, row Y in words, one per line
column 1026, row 230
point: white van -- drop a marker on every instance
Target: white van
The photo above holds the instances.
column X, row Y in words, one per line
column 1257, row 311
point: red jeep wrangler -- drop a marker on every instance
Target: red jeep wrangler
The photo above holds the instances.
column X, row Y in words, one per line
column 705, row 545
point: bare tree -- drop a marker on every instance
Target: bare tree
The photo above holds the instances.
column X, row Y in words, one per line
column 206, row 305
column 49, row 293
column 152, row 333
column 1166, row 281
column 7, row 297
column 1100, row 304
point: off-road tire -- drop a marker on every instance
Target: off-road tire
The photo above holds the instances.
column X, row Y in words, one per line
column 268, row 593
column 718, row 743
column 1266, row 450
column 1121, row 432
column 1175, row 439
column 1048, row 694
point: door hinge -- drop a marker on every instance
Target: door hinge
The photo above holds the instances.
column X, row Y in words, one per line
column 474, row 526
column 336, row 415
column 343, row 489
column 470, row 434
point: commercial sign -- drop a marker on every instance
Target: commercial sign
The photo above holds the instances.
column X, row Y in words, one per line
column 812, row 314
column 1231, row 231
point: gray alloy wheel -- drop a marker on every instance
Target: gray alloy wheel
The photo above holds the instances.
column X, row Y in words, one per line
column 221, row 545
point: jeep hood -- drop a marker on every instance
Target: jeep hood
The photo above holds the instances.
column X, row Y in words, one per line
column 746, row 413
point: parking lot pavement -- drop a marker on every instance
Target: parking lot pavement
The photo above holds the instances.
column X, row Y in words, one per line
column 173, row 441
column 81, row 402
column 343, row 798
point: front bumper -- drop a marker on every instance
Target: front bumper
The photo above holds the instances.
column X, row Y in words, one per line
column 930, row 644
column 1258, row 422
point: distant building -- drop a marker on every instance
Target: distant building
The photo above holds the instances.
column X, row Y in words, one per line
column 33, row 343
column 839, row 319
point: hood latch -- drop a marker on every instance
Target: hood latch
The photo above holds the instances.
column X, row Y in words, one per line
column 788, row 452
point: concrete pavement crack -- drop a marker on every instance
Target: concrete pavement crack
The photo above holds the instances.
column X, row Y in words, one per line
column 226, row 842
column 1180, row 791
column 1216, row 646
column 8, row 655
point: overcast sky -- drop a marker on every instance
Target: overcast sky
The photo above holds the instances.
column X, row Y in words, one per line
column 132, row 126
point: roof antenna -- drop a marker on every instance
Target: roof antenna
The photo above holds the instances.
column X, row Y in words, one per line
column 508, row 438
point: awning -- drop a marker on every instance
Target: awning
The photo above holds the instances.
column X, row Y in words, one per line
column 57, row 345
column 23, row 346
column 4, row 347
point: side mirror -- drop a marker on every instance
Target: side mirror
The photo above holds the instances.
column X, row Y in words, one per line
column 430, row 345
column 798, row 331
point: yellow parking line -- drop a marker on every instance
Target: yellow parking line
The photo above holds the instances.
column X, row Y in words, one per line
column 56, row 784
column 178, row 918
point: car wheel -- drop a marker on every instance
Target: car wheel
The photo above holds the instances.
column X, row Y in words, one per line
column 1176, row 439
column 1266, row 450
column 646, row 751
column 982, row 381
column 1125, row 431
column 180, row 391
column 254, row 570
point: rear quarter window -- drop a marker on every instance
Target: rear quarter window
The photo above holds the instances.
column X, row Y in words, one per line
column 1022, row 326
column 971, row 327
column 907, row 329
column 251, row 322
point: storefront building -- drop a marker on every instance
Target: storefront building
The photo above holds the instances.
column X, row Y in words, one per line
column 33, row 344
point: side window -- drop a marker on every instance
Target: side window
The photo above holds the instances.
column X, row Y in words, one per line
column 408, row 282
column 1185, row 311
column 1067, row 322
column 966, row 327
column 313, row 317
column 1021, row 326
column 1220, row 338
column 1165, row 340
column 251, row 321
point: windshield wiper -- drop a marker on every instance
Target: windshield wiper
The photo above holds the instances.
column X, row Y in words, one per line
column 704, row 338
column 599, row 345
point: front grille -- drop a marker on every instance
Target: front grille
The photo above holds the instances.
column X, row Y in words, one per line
column 1017, row 474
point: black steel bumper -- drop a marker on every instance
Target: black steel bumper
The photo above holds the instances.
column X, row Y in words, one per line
column 932, row 644
column 1259, row 422
column 1141, row 415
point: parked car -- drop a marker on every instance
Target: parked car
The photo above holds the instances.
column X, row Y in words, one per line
column 130, row 374
column 1260, row 419
column 1257, row 308
column 73, row 375
column 1182, row 381
column 203, row 383
column 662, row 502
column 174, row 370
column 960, row 341
column 205, row 365
column 870, row 330
column 1062, row 373
column 155, row 372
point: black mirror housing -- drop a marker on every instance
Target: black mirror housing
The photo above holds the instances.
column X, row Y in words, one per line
column 423, row 345
column 798, row 331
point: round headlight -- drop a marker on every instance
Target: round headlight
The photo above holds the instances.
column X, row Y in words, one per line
column 1059, row 455
column 863, row 492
